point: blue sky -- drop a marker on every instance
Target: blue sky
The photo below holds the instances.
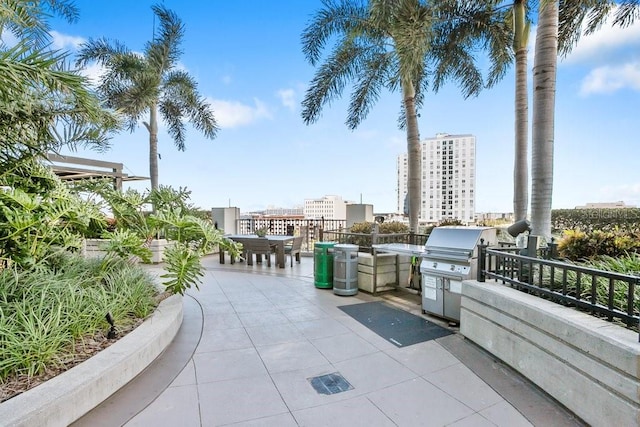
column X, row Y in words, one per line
column 247, row 58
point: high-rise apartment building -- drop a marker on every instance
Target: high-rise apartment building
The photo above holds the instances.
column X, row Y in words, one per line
column 328, row 207
column 448, row 178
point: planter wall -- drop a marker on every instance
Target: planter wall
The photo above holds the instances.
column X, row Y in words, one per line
column 589, row 365
column 157, row 247
column 91, row 248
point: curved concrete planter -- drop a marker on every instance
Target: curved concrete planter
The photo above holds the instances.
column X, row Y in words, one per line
column 70, row 395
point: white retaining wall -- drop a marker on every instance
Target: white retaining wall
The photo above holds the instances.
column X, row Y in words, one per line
column 589, row 365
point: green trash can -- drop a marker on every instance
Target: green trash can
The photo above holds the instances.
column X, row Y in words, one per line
column 323, row 264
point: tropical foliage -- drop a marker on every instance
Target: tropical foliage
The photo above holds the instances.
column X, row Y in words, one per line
column 49, row 316
column 580, row 245
column 40, row 218
column 174, row 219
column 151, row 83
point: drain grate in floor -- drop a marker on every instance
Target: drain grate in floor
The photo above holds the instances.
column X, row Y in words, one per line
column 330, row 383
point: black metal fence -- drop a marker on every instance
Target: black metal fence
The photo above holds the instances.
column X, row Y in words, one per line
column 608, row 295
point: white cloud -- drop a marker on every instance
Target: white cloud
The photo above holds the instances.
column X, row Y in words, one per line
column 93, row 72
column 230, row 114
column 604, row 43
column 63, row 41
column 608, row 79
column 288, row 98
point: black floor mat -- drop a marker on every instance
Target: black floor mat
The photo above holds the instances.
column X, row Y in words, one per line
column 396, row 326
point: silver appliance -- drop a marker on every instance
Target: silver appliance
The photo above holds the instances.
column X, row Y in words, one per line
column 450, row 256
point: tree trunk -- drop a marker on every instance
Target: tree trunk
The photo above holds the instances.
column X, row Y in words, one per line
column 521, row 163
column 414, row 157
column 544, row 91
column 152, row 127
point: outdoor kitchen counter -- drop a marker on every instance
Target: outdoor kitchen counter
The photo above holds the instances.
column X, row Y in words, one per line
column 399, row 249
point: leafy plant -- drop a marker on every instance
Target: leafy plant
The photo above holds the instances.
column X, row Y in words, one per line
column 45, row 314
column 183, row 268
column 261, row 232
column 38, row 223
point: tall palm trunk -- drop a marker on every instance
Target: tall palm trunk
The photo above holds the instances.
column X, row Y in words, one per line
column 521, row 163
column 544, row 91
column 414, row 154
column 152, row 127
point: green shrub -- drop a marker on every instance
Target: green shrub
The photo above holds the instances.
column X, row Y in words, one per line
column 577, row 244
column 384, row 228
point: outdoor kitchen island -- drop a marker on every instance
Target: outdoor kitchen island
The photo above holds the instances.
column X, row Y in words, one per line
column 401, row 250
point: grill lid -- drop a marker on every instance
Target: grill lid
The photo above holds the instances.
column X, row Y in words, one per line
column 453, row 242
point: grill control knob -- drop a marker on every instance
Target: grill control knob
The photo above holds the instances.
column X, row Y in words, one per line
column 435, row 265
column 453, row 267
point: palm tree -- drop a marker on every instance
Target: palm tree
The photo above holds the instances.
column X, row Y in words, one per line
column 559, row 29
column 544, row 92
column 137, row 84
column 521, row 163
column 43, row 104
column 400, row 45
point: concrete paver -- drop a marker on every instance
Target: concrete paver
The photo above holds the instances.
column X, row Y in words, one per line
column 266, row 331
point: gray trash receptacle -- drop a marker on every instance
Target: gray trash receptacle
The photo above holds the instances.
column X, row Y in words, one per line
column 345, row 269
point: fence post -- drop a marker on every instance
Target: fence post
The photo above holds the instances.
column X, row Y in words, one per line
column 482, row 261
column 552, row 253
column 374, row 236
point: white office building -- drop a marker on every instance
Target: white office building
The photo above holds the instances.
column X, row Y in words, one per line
column 328, row 207
column 448, row 178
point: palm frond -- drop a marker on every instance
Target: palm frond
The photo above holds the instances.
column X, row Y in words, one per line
column 101, row 50
column 331, row 78
column 164, row 50
column 181, row 96
column 627, row 13
column 587, row 16
column 372, row 78
column 27, row 21
column 334, row 18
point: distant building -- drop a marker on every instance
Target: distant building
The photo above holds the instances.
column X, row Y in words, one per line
column 495, row 216
column 284, row 211
column 328, row 207
column 448, row 178
column 605, row 205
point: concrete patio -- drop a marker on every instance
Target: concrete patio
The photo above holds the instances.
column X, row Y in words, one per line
column 253, row 336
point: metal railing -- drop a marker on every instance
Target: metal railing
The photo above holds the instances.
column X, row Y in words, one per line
column 325, row 230
column 608, row 295
column 366, row 240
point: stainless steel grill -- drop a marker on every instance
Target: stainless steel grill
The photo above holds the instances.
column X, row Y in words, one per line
column 450, row 256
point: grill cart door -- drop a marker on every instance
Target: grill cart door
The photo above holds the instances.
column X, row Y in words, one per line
column 452, row 290
column 432, row 294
